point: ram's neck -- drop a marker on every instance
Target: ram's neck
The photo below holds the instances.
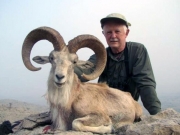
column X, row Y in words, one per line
column 61, row 101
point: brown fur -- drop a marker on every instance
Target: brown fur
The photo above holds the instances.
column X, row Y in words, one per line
column 86, row 106
column 106, row 108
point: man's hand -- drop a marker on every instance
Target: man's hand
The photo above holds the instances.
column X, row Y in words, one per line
column 84, row 64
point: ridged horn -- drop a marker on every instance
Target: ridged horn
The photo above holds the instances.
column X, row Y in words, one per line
column 39, row 34
column 93, row 43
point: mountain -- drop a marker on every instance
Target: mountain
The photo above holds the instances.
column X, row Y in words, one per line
column 14, row 110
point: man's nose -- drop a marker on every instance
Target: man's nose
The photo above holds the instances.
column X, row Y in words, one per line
column 113, row 35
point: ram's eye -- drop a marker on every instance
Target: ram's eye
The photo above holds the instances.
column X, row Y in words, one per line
column 75, row 62
column 51, row 58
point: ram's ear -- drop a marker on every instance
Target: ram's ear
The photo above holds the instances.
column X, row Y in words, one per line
column 41, row 59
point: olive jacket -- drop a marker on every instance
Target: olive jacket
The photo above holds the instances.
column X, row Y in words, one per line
column 132, row 72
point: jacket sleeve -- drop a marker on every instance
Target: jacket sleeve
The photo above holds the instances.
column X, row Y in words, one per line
column 142, row 75
column 86, row 67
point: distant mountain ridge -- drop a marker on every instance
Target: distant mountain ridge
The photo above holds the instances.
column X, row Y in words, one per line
column 170, row 101
column 14, row 110
column 16, row 103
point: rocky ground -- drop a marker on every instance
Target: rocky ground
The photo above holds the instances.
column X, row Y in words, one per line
column 166, row 122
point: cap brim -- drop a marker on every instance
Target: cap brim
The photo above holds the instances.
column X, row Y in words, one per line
column 104, row 20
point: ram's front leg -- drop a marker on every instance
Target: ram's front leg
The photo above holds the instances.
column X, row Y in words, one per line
column 59, row 123
column 58, row 120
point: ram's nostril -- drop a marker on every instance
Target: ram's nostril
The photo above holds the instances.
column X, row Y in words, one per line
column 59, row 77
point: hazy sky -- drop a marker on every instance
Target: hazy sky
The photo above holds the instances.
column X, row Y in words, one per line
column 155, row 23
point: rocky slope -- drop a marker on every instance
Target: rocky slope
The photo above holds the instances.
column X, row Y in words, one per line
column 14, row 110
column 166, row 122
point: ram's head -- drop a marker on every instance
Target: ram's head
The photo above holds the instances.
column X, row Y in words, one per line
column 63, row 57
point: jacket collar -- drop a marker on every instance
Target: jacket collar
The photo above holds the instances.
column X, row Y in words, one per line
column 112, row 56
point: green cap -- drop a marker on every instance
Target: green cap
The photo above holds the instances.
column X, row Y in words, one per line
column 115, row 16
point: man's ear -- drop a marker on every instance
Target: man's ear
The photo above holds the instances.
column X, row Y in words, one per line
column 103, row 32
column 127, row 32
column 41, row 59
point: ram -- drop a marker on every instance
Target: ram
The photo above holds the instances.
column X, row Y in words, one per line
column 73, row 104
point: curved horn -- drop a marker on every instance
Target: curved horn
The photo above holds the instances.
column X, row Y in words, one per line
column 94, row 44
column 39, row 34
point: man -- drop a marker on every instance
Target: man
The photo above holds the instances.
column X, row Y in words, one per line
column 128, row 66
